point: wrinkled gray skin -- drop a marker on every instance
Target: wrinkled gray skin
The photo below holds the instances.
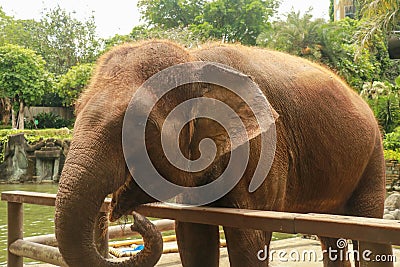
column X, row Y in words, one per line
column 328, row 158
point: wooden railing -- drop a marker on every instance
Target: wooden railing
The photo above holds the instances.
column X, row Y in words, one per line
column 356, row 228
column 44, row 248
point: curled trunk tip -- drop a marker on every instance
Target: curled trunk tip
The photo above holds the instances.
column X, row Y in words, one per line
column 152, row 238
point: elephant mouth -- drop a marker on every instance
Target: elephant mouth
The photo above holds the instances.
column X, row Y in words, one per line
column 117, row 212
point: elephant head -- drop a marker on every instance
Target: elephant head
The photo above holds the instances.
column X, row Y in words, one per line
column 96, row 164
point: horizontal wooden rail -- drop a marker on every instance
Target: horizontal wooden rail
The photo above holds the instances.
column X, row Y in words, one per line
column 43, row 248
column 43, row 199
column 116, row 231
column 37, row 251
column 357, row 228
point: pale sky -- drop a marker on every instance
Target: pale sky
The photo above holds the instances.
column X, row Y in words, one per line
column 120, row 16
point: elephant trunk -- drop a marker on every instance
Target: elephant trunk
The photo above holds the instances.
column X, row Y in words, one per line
column 86, row 180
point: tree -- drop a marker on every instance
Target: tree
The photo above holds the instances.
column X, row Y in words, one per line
column 236, row 20
column 332, row 10
column 66, row 41
column 297, row 35
column 226, row 20
column 378, row 16
column 339, row 51
column 169, row 14
column 60, row 39
column 23, row 78
column 72, row 83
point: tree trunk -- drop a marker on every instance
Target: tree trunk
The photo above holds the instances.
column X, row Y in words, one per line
column 13, row 119
column 5, row 110
column 21, row 124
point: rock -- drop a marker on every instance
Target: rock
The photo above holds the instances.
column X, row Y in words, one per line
column 385, row 211
column 392, row 202
column 15, row 165
column 396, row 214
column 388, row 217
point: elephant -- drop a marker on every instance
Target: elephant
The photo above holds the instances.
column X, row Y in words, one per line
column 328, row 156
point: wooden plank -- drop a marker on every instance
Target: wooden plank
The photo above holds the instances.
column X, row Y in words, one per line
column 36, row 198
column 116, row 231
column 29, row 197
column 356, row 228
column 365, row 229
column 239, row 218
column 37, row 252
column 48, row 240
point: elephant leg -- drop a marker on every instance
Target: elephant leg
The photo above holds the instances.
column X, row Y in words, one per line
column 334, row 255
column 377, row 255
column 247, row 247
column 198, row 244
column 368, row 201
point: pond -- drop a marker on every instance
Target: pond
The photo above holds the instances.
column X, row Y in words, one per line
column 38, row 220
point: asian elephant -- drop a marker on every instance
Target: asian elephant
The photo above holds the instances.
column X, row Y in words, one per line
column 328, row 157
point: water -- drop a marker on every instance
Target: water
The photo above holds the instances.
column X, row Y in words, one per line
column 38, row 220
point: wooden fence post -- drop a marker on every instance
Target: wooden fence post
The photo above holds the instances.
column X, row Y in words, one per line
column 15, row 224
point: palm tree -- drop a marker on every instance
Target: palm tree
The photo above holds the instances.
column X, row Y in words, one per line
column 378, row 16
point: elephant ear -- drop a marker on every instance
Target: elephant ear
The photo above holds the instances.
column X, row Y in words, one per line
column 235, row 91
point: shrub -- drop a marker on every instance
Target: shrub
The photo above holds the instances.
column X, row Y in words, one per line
column 392, row 140
column 383, row 98
column 392, row 155
column 46, row 120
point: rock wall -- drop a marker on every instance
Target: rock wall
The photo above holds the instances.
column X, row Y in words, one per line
column 39, row 162
column 392, row 174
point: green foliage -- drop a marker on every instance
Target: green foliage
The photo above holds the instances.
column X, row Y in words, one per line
column 392, row 155
column 35, row 135
column 226, row 20
column 58, row 37
column 167, row 14
column 339, row 52
column 47, row 120
column 392, row 140
column 71, row 84
column 22, row 75
column 235, row 21
column 332, row 44
column 332, row 10
column 297, row 35
column 377, row 16
column 65, row 41
column 384, row 100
